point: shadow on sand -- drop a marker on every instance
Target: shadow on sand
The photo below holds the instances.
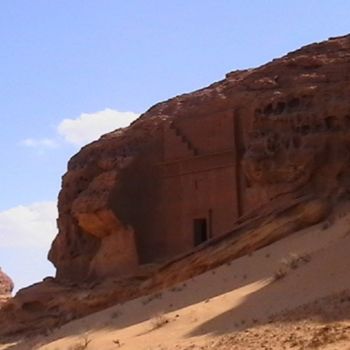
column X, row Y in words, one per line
column 318, row 291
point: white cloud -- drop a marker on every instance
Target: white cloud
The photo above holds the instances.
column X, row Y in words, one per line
column 31, row 225
column 90, row 126
column 84, row 129
column 39, row 143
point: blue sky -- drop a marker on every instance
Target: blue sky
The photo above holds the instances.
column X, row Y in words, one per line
column 70, row 70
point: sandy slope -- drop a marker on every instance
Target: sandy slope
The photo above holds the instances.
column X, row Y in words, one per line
column 237, row 306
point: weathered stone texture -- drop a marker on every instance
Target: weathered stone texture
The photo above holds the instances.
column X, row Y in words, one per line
column 254, row 140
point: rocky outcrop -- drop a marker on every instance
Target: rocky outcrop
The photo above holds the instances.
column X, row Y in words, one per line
column 6, row 287
column 291, row 140
column 103, row 194
column 290, row 153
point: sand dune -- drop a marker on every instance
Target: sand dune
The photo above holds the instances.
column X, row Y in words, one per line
column 247, row 304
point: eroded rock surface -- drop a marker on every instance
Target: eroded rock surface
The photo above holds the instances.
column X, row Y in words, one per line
column 258, row 138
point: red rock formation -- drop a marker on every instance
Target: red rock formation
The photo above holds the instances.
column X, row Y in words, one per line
column 251, row 159
column 257, row 138
column 6, row 287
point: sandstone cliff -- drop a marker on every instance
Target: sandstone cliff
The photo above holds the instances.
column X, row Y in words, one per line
column 291, row 139
column 288, row 129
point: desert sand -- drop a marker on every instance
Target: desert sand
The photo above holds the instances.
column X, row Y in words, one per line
column 293, row 294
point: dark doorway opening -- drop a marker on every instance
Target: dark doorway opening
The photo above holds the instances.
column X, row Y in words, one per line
column 200, row 231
